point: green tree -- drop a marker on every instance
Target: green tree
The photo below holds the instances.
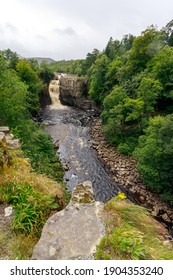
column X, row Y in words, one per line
column 143, row 50
column 12, row 98
column 133, row 110
column 113, row 115
column 161, row 68
column 31, row 79
column 112, row 48
column 34, row 64
column 111, row 77
column 149, row 91
column 168, row 32
column 90, row 59
column 46, row 74
column 38, row 146
column 127, row 42
column 98, row 72
column 155, row 153
column 11, row 57
column 14, row 112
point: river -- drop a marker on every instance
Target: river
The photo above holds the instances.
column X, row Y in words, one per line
column 69, row 129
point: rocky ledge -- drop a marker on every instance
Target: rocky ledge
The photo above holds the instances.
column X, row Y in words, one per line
column 123, row 171
column 8, row 138
column 74, row 232
column 7, row 142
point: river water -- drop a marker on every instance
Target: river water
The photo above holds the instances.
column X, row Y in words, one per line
column 69, row 129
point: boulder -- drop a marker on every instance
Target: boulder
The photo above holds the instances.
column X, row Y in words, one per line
column 13, row 144
column 74, row 232
column 4, row 129
column 9, row 136
column 83, row 193
column 166, row 218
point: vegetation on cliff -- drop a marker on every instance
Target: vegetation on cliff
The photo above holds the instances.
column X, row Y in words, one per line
column 21, row 85
column 132, row 234
column 32, row 197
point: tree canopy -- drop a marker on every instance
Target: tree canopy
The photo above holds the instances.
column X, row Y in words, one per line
column 132, row 81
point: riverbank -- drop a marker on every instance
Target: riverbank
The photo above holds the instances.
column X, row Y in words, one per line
column 123, row 172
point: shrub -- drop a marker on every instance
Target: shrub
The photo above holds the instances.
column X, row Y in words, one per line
column 38, row 146
column 155, row 153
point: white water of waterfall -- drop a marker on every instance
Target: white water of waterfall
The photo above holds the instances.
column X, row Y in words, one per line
column 54, row 94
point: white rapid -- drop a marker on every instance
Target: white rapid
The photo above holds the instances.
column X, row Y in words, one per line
column 54, row 94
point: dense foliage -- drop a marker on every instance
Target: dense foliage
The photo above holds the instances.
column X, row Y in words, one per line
column 21, row 83
column 67, row 66
column 155, row 154
column 132, row 81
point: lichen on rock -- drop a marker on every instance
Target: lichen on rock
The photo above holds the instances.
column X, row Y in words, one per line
column 83, row 193
column 74, row 232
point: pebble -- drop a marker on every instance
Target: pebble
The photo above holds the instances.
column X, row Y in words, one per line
column 8, row 211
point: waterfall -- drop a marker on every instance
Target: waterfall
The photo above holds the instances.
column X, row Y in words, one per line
column 54, row 93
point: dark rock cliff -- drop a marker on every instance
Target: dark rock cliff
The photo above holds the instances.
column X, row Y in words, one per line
column 74, row 92
column 45, row 97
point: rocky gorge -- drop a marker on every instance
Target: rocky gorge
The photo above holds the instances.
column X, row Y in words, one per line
column 122, row 169
column 94, row 174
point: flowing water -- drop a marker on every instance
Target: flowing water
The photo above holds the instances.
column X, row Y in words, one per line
column 69, row 129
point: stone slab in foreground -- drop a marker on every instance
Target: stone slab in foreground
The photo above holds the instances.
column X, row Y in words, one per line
column 74, row 232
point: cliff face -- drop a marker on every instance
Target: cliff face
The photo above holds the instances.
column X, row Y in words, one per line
column 73, row 92
column 45, row 97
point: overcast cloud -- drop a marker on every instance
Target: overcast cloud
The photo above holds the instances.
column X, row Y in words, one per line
column 69, row 29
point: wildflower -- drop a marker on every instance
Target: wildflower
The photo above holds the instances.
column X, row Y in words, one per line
column 121, row 196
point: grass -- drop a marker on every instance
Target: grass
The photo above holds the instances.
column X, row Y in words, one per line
column 20, row 172
column 34, row 198
column 132, row 234
column 32, row 209
column 16, row 246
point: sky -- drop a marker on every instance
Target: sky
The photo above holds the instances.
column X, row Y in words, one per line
column 69, row 29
